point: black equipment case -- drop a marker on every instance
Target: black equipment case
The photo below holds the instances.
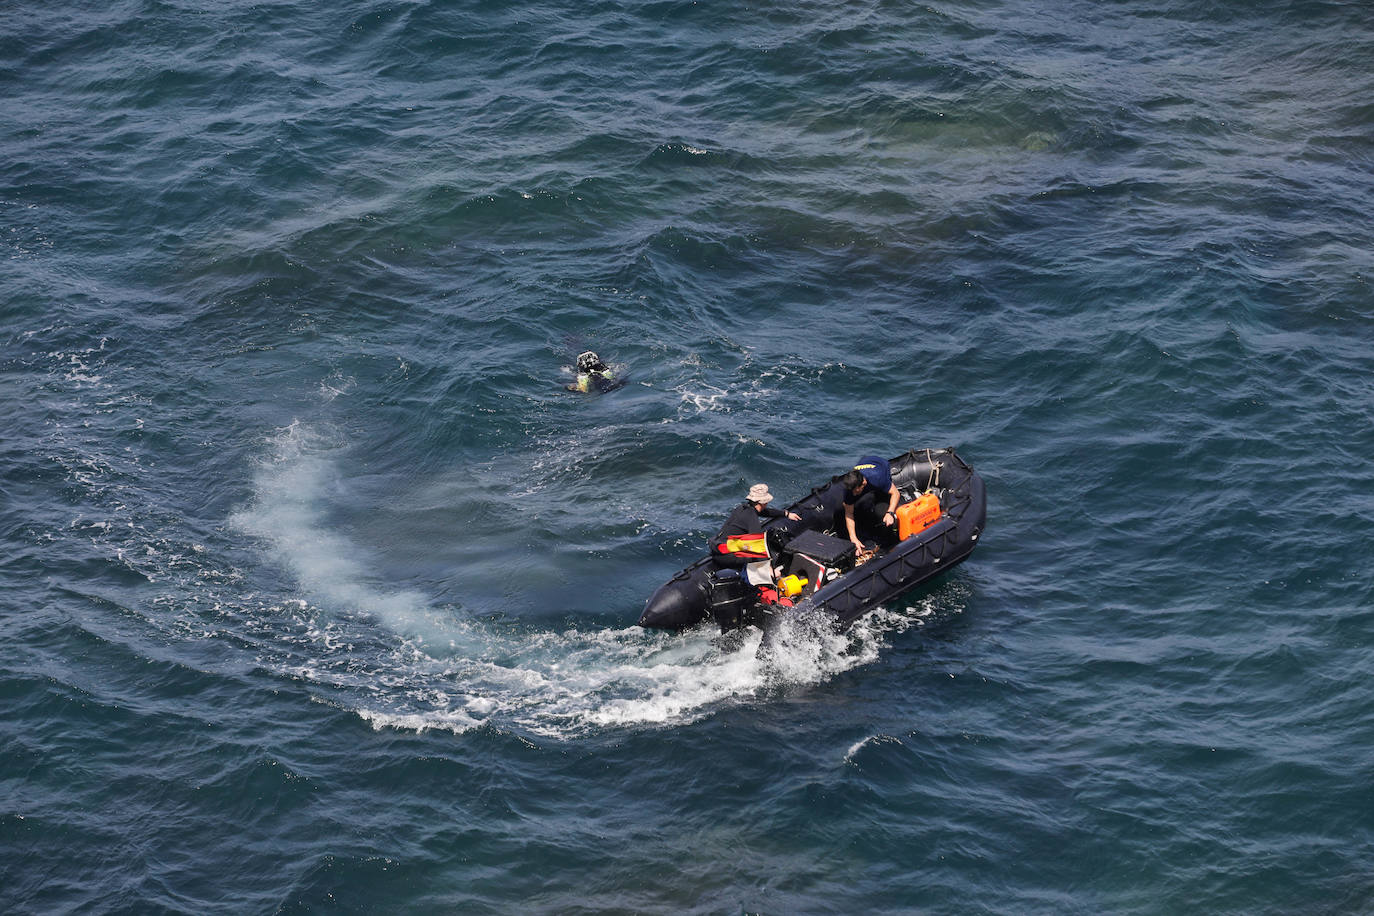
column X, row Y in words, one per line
column 828, row 550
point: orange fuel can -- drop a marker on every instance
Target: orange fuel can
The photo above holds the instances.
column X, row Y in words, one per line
column 918, row 515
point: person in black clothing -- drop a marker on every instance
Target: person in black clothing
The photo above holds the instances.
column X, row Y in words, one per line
column 870, row 502
column 732, row 552
column 594, row 375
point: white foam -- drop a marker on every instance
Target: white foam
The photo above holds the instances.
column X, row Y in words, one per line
column 709, row 398
column 871, row 739
column 335, row 384
column 287, row 513
column 455, row 722
column 399, row 660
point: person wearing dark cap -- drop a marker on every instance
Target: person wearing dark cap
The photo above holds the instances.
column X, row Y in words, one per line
column 740, row 541
column 871, row 497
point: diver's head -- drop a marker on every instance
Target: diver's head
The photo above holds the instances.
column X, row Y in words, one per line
column 588, row 361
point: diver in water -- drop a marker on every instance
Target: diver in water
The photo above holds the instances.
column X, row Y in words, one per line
column 592, row 373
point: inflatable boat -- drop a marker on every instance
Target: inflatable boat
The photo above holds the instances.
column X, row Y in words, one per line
column 820, row 574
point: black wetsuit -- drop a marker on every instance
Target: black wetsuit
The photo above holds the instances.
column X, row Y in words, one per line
column 743, row 520
column 597, row 380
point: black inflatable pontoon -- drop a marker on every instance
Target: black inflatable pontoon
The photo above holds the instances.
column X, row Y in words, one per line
column 813, row 549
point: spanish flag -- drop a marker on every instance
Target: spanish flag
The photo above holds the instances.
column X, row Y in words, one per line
column 745, row 546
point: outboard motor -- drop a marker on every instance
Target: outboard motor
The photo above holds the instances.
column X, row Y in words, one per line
column 731, row 600
column 918, row 470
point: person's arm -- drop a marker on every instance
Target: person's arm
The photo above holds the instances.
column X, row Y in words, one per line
column 849, row 526
column 894, row 496
column 771, row 512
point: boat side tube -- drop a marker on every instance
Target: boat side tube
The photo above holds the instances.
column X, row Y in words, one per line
column 682, row 601
column 918, row 558
column 883, row 578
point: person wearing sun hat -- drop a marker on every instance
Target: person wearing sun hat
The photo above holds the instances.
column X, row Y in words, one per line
column 739, row 541
column 760, row 495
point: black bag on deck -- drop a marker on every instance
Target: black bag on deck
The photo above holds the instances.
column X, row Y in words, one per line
column 831, row 551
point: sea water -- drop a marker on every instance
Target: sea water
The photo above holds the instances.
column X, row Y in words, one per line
column 319, row 590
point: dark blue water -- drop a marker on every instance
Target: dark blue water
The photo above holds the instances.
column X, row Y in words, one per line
column 317, row 590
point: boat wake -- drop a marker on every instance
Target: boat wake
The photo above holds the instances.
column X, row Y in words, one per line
column 399, row 660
